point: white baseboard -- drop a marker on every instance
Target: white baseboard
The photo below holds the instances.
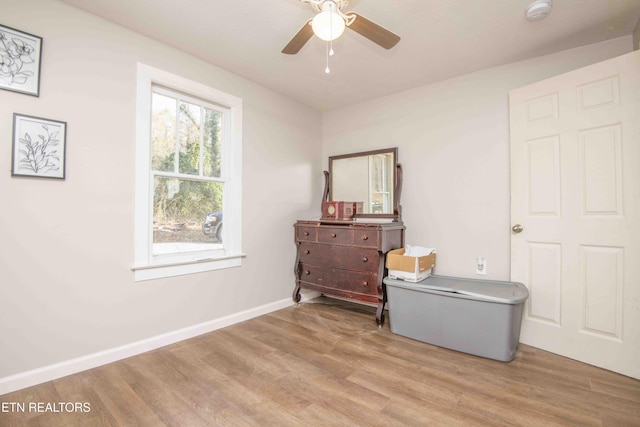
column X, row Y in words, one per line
column 58, row 370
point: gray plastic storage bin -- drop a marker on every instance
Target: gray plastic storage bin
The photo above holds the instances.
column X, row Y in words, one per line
column 479, row 317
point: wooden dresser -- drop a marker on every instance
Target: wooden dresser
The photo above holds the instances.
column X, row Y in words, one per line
column 345, row 259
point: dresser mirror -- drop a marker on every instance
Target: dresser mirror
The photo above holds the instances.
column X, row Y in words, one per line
column 372, row 177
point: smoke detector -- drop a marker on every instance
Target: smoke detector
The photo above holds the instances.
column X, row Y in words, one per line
column 538, row 10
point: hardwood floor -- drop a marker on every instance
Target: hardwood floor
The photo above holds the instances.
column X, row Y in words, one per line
column 326, row 362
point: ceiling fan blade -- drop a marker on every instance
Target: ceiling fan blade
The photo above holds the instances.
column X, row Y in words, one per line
column 299, row 40
column 374, row 32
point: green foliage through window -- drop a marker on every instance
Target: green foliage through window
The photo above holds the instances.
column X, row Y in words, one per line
column 186, row 155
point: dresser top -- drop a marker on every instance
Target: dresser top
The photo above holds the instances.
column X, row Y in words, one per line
column 395, row 225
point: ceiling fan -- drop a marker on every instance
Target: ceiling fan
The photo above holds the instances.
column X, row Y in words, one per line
column 330, row 23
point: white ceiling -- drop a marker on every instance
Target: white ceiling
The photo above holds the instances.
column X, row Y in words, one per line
column 440, row 39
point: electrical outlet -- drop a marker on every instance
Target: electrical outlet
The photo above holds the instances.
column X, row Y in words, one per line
column 481, row 266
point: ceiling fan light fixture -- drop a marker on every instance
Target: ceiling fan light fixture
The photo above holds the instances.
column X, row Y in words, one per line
column 328, row 25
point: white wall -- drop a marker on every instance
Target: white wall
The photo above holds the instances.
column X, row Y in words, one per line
column 66, row 247
column 453, row 143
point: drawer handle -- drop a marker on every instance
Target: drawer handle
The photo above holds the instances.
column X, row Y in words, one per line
column 307, row 251
column 333, row 235
column 307, row 272
column 365, row 237
column 306, row 233
column 365, row 259
column 365, row 283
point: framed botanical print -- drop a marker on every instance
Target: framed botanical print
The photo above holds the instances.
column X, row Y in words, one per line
column 39, row 147
column 20, row 55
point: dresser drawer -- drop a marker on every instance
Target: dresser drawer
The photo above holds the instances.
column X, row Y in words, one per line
column 356, row 281
column 364, row 237
column 359, row 282
column 341, row 257
column 306, row 233
column 335, row 235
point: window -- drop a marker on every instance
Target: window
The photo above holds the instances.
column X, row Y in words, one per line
column 188, row 177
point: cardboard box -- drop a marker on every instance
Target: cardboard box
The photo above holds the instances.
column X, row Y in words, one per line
column 411, row 269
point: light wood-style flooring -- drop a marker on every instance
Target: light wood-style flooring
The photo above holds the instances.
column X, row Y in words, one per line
column 326, row 363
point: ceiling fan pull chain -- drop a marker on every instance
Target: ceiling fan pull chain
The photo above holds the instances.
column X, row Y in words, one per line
column 331, row 41
column 329, row 46
column 327, row 70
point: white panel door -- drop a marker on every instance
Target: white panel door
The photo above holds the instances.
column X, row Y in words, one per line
column 575, row 192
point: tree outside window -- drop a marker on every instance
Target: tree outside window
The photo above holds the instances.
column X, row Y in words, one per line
column 186, row 145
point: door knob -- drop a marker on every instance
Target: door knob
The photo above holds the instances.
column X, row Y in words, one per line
column 517, row 228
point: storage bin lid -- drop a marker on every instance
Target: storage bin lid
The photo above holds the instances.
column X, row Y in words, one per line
column 484, row 290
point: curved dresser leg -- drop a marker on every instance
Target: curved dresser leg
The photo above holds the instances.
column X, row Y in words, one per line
column 381, row 290
column 296, row 273
column 382, row 299
column 380, row 314
column 296, row 294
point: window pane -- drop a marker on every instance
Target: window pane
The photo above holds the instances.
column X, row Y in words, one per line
column 181, row 220
column 189, row 125
column 211, row 143
column 163, row 132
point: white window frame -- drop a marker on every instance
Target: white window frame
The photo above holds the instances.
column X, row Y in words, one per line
column 146, row 266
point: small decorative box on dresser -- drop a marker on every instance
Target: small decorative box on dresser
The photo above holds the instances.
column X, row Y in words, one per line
column 345, row 259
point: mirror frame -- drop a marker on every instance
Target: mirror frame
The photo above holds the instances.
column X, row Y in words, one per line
column 397, row 181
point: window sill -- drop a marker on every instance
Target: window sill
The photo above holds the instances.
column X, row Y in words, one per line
column 162, row 270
